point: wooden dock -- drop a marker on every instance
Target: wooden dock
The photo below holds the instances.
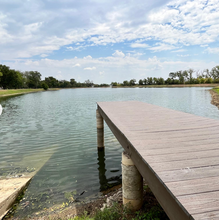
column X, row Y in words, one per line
column 176, row 153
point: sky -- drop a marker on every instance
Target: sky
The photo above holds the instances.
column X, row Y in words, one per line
column 109, row 40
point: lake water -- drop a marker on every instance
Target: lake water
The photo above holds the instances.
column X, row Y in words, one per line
column 60, row 126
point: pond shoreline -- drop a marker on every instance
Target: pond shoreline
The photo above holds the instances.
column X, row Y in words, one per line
column 215, row 98
column 12, row 92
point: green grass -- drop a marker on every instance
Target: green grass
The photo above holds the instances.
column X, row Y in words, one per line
column 118, row 212
column 216, row 89
column 7, row 92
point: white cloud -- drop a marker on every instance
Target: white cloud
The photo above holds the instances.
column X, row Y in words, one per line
column 161, row 47
column 177, row 23
column 183, row 55
column 101, row 72
column 44, row 55
column 139, row 45
column 90, row 68
column 178, row 51
column 213, row 50
column 118, row 54
column 77, row 65
column 88, row 57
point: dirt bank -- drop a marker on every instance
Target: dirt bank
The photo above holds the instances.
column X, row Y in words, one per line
column 150, row 205
column 215, row 98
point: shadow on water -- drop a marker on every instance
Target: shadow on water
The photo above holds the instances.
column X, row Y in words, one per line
column 104, row 182
column 102, row 168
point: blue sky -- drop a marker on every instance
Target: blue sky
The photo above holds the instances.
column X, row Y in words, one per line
column 109, row 40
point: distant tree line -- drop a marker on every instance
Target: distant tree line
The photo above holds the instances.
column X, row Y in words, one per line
column 14, row 79
column 179, row 77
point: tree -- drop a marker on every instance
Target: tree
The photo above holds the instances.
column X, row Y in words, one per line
column 45, row 86
column 64, row 84
column 88, row 83
column 149, row 80
column 51, row 82
column 126, row 83
column 169, row 81
column 10, row 79
column 132, row 82
column 154, row 81
column 160, row 81
column 1, row 74
column 33, row 79
column 73, row 83
column 215, row 72
column 140, row 82
column 172, row 75
column 145, row 81
column 190, row 72
column 114, row 84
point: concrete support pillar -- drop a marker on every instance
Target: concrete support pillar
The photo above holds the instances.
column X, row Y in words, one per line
column 132, row 184
column 100, row 130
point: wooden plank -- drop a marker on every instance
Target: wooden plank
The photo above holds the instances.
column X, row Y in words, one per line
column 204, row 132
column 182, row 156
column 150, row 144
column 185, row 164
column 194, row 186
column 188, row 174
column 166, row 149
column 200, row 203
column 212, row 215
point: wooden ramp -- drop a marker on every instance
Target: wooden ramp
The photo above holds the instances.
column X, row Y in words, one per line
column 176, row 153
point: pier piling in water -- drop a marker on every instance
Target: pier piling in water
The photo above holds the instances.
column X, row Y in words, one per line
column 100, row 130
column 132, row 184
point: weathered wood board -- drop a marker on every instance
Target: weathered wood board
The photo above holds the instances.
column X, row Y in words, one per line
column 9, row 190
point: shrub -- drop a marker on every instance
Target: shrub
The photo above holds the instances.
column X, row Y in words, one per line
column 45, row 86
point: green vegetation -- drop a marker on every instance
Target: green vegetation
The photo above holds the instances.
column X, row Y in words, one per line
column 17, row 91
column 117, row 212
column 176, row 78
column 151, row 210
column 14, row 79
column 216, row 89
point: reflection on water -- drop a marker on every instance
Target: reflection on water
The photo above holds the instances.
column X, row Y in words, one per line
column 75, row 171
column 103, row 181
column 102, row 169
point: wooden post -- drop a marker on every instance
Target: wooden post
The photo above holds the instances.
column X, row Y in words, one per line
column 132, row 184
column 100, row 130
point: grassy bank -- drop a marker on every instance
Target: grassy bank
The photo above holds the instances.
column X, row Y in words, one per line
column 11, row 92
column 114, row 209
column 216, row 89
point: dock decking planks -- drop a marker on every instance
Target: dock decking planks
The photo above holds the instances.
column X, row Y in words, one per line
column 176, row 152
